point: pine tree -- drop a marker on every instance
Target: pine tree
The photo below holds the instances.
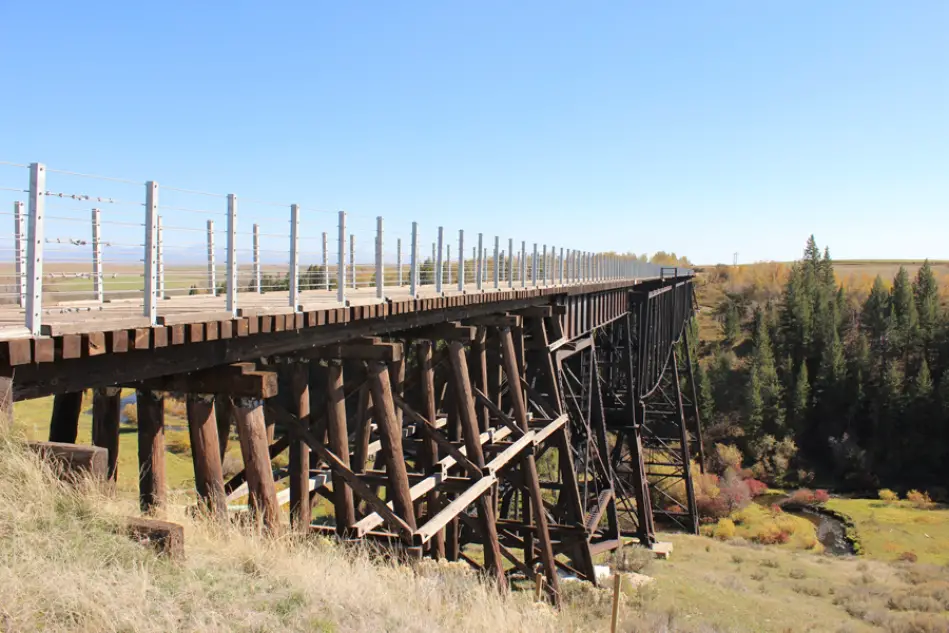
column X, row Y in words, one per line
column 754, row 405
column 705, row 395
column 731, row 327
column 876, row 320
column 801, row 400
column 903, row 308
column 926, row 295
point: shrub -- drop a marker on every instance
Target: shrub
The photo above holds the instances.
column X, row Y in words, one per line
column 756, row 487
column 130, row 411
column 907, row 557
column 888, row 496
column 802, row 497
column 770, row 534
column 734, row 491
column 725, row 529
column 711, row 508
column 919, row 499
column 821, row 496
column 725, row 457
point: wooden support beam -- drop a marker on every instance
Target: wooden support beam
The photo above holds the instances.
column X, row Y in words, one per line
column 466, row 412
column 432, row 432
column 252, row 431
column 478, row 368
column 64, row 421
column 426, row 369
column 106, row 415
column 452, row 331
column 301, row 511
column 345, row 509
column 168, row 539
column 151, row 449
column 352, row 479
column 360, row 350
column 495, row 320
column 206, row 454
column 453, row 509
column 363, row 429
column 528, row 465
column 237, row 380
column 390, row 432
column 73, row 460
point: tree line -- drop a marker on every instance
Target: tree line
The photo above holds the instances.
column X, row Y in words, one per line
column 815, row 383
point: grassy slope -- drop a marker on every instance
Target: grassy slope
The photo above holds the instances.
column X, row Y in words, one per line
column 887, row 530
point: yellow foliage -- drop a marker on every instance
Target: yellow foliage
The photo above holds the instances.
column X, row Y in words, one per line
column 724, row 529
column 888, row 495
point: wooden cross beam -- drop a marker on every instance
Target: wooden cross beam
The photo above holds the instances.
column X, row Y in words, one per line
column 451, row 331
column 239, row 380
column 496, row 320
column 360, row 350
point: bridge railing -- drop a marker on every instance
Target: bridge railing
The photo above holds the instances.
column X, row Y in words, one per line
column 88, row 247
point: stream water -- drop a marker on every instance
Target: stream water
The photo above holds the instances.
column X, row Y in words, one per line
column 830, row 531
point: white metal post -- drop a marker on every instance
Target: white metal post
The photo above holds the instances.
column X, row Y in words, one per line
column 294, row 275
column 326, row 263
column 523, row 264
column 380, row 271
column 19, row 235
column 510, row 262
column 256, row 258
column 413, row 262
column 461, row 260
column 212, row 286
column 534, row 266
column 437, row 262
column 448, row 264
column 151, row 251
column 352, row 257
column 398, row 258
column 160, row 252
column 232, row 254
column 97, row 256
column 497, row 269
column 341, row 263
column 544, row 264
column 480, row 271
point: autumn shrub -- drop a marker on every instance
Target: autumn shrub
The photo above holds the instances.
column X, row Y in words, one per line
column 801, row 497
column 130, row 411
column 734, row 491
column 724, row 457
column 770, row 534
column 756, row 487
column 821, row 496
column 919, row 499
column 724, row 529
column 888, row 496
column 711, row 507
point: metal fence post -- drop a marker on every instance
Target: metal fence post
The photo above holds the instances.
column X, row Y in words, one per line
column 544, row 266
column 232, row 254
column 497, row 270
column 413, row 262
column 34, row 249
column 97, row 256
column 256, row 257
column 160, row 252
column 151, row 251
column 326, row 264
column 211, row 278
column 534, row 266
column 341, row 263
column 380, row 270
column 352, row 257
column 480, row 271
column 523, row 264
column 562, row 266
column 448, row 264
column 294, row 273
column 437, row 262
column 510, row 262
column 398, row 258
column 19, row 236
column 461, row 260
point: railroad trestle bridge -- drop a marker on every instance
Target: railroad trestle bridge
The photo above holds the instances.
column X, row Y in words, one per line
column 532, row 412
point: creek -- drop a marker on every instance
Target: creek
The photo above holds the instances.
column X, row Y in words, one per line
column 831, row 532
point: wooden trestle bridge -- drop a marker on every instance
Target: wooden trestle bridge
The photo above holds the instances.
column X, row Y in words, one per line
column 541, row 422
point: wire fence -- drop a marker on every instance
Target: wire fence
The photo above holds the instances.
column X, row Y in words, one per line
column 89, row 243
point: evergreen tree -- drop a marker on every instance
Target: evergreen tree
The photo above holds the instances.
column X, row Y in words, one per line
column 754, row 405
column 801, row 400
column 731, row 326
column 705, row 395
column 903, row 307
column 876, row 320
column 926, row 295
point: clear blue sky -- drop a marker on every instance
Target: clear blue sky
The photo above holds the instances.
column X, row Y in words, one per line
column 700, row 127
